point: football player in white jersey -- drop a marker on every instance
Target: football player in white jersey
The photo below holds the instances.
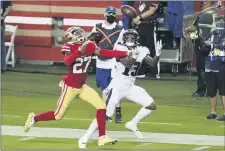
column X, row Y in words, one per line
column 122, row 85
column 123, row 82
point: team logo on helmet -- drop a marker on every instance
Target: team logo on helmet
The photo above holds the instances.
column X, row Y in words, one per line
column 75, row 35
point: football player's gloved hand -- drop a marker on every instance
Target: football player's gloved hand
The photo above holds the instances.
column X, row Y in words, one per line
column 158, row 48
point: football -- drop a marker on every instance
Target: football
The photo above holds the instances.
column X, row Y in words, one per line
column 128, row 11
column 127, row 61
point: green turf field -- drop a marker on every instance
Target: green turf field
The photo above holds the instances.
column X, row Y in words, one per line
column 177, row 112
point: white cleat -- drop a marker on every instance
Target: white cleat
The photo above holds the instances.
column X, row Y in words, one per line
column 82, row 144
column 134, row 129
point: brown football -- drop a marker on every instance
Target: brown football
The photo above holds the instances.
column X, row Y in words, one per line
column 128, row 11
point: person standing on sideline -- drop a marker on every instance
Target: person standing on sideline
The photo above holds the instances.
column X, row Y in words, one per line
column 6, row 8
column 202, row 18
column 109, row 31
column 126, row 19
column 215, row 68
column 145, row 24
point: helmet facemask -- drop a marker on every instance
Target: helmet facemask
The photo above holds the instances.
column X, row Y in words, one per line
column 130, row 40
column 75, row 35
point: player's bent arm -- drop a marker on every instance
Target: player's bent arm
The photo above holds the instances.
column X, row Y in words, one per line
column 151, row 61
column 110, row 54
column 70, row 58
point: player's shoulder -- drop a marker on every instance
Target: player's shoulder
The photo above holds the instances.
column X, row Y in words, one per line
column 120, row 47
column 143, row 50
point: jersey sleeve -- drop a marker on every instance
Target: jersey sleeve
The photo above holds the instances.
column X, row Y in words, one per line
column 66, row 48
column 119, row 47
column 144, row 51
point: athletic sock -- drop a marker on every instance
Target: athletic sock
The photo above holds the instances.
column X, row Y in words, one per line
column 46, row 116
column 143, row 112
column 213, row 113
column 92, row 128
column 101, row 120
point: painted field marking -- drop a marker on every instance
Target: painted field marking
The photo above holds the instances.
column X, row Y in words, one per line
column 168, row 138
column 26, row 138
column 201, row 148
column 143, row 144
column 79, row 119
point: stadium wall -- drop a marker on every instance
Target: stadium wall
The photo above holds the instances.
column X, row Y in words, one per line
column 35, row 20
column 34, row 39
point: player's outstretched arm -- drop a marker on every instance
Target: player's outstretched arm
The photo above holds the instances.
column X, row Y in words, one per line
column 153, row 61
column 70, row 58
column 111, row 54
column 90, row 48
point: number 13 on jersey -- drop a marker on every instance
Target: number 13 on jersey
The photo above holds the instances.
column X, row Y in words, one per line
column 81, row 65
column 133, row 70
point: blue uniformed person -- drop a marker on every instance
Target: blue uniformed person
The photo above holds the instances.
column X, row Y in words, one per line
column 109, row 30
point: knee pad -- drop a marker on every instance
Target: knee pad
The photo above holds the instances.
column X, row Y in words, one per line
column 152, row 107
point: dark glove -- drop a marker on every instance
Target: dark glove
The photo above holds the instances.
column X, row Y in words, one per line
column 95, row 36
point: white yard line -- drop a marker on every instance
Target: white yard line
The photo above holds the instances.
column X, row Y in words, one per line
column 201, row 148
column 222, row 126
column 26, row 138
column 143, row 144
column 79, row 119
column 169, row 138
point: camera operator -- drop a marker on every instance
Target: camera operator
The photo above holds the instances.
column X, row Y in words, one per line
column 215, row 67
column 202, row 18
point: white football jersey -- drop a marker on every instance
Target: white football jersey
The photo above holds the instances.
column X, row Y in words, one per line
column 127, row 76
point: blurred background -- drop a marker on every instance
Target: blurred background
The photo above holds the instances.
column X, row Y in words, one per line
column 41, row 26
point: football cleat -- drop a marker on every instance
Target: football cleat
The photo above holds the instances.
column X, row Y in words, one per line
column 82, row 143
column 134, row 129
column 106, row 141
column 29, row 123
column 118, row 118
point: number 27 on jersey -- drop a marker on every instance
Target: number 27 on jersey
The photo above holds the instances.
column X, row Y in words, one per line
column 81, row 65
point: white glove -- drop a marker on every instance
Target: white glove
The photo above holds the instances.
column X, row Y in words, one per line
column 158, row 48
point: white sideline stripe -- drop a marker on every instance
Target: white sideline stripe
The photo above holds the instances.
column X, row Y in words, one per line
column 143, row 144
column 48, row 21
column 169, row 138
column 83, row 22
column 26, row 138
column 201, row 148
column 222, row 126
column 29, row 20
column 78, row 119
